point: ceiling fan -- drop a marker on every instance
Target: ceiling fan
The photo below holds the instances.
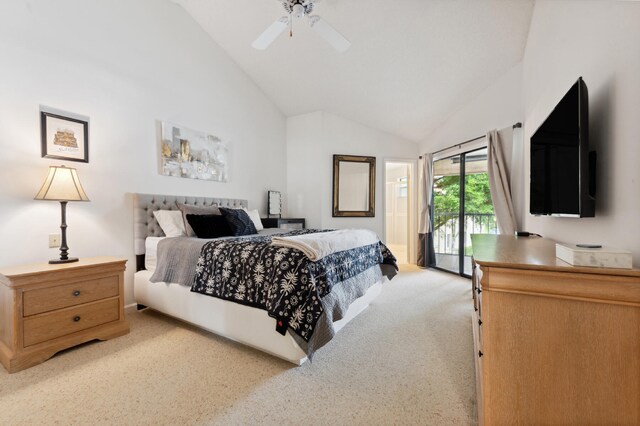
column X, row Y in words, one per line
column 298, row 9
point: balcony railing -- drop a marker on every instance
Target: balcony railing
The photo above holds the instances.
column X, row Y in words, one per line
column 446, row 232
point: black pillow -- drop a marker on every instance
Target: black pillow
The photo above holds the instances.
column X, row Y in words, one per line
column 239, row 222
column 209, row 225
column 190, row 209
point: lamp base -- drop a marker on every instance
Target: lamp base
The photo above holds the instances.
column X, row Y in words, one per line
column 57, row 261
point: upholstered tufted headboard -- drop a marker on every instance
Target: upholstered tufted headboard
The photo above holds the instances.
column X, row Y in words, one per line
column 145, row 224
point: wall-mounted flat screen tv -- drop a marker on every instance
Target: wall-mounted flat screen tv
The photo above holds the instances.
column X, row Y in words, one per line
column 562, row 178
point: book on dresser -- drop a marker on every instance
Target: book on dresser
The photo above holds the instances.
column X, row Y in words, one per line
column 553, row 343
column 47, row 308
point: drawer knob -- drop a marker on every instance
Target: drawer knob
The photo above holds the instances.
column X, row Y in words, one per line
column 479, row 322
column 76, row 319
column 478, row 290
column 480, row 354
column 76, row 293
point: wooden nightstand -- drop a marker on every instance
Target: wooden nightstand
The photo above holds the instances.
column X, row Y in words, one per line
column 283, row 223
column 47, row 308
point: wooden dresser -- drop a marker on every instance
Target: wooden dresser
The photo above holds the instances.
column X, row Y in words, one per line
column 554, row 344
column 47, row 308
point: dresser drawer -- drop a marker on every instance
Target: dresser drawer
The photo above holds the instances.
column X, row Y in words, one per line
column 477, row 332
column 52, row 298
column 60, row 323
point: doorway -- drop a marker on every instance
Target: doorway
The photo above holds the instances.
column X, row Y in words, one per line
column 399, row 207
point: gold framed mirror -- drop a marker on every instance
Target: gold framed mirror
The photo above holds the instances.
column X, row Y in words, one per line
column 354, row 186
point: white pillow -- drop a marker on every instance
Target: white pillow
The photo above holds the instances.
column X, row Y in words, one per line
column 171, row 222
column 255, row 218
column 151, row 252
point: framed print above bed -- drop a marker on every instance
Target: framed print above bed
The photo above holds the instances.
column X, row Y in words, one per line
column 64, row 138
column 193, row 154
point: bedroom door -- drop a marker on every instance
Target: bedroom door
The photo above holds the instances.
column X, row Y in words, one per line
column 399, row 200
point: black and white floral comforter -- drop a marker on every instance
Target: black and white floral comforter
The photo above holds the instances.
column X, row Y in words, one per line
column 279, row 280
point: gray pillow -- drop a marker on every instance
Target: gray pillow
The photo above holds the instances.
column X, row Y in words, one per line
column 199, row 210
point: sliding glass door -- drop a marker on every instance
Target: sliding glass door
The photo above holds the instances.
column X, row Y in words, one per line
column 446, row 212
column 461, row 206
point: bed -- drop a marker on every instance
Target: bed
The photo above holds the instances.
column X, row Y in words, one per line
column 239, row 322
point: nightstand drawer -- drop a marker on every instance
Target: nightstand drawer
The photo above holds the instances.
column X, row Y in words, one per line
column 52, row 298
column 60, row 323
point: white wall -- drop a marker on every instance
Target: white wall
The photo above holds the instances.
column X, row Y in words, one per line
column 125, row 64
column 305, row 172
column 600, row 41
column 499, row 105
column 312, row 140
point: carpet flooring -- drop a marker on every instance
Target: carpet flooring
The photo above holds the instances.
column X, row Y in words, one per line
column 407, row 359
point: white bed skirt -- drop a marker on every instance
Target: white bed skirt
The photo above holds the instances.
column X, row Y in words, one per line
column 250, row 326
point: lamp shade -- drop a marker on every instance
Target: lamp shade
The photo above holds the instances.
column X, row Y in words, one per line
column 62, row 184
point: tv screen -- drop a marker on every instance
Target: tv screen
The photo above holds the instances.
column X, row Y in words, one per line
column 560, row 159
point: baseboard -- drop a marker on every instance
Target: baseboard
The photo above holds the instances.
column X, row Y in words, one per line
column 130, row 308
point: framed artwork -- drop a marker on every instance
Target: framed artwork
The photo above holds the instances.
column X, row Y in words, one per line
column 64, row 138
column 193, row 154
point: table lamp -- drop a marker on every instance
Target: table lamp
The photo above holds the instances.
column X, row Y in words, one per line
column 62, row 184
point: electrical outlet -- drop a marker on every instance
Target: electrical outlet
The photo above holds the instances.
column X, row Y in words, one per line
column 54, row 240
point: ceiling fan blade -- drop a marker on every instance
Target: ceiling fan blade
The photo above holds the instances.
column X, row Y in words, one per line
column 271, row 33
column 329, row 33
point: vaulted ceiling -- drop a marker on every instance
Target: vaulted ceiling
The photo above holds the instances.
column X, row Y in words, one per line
column 412, row 63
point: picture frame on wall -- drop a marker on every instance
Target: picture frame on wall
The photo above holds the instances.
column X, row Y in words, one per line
column 64, row 138
column 193, row 154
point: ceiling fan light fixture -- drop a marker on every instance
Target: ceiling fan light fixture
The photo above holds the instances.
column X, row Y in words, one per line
column 298, row 11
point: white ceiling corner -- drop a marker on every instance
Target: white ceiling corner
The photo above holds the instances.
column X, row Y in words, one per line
column 411, row 62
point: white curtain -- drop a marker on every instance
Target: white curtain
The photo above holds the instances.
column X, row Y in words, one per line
column 499, row 150
column 426, row 255
column 426, row 188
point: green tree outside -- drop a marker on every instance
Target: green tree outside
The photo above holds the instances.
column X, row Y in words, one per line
column 446, row 196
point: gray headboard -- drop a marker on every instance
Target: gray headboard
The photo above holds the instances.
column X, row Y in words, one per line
column 145, row 224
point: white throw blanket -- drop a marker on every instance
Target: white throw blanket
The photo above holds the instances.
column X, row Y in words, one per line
column 317, row 246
